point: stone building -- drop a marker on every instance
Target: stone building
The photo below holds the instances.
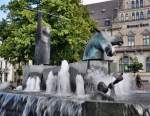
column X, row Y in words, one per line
column 129, row 20
column 6, row 69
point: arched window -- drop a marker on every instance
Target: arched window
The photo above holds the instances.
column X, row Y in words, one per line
column 141, row 3
column 133, row 16
column 137, row 15
column 126, row 17
column 148, row 13
column 124, row 62
column 141, row 15
column 122, row 17
column 148, row 64
column 137, row 3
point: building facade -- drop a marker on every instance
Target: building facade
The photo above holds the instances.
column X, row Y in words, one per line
column 6, row 69
column 129, row 20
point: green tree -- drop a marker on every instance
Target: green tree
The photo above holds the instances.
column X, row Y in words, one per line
column 70, row 24
column 135, row 66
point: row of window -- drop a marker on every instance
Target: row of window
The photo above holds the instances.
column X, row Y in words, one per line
column 126, row 60
column 137, row 3
column 138, row 15
column 131, row 40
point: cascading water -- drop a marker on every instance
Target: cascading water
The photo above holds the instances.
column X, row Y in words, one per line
column 64, row 79
column 41, row 104
column 26, row 105
column 80, row 85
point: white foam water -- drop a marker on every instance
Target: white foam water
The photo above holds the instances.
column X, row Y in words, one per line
column 51, row 83
column 4, row 85
column 33, row 84
column 64, row 79
column 80, row 86
column 121, row 88
column 37, row 84
column 125, row 86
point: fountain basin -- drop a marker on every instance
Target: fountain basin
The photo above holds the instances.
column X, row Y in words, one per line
column 17, row 103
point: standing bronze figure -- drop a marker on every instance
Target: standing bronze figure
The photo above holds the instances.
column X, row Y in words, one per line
column 42, row 48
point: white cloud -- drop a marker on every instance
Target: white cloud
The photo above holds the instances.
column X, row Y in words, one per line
column 92, row 1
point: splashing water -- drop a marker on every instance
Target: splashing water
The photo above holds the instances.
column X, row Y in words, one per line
column 37, row 84
column 28, row 84
column 64, row 79
column 122, row 88
column 51, row 83
column 80, row 85
column 33, row 84
column 125, row 86
column 4, row 85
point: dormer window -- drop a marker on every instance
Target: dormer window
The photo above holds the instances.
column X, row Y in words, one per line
column 107, row 22
column 103, row 10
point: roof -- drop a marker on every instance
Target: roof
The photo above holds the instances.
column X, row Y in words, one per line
column 103, row 11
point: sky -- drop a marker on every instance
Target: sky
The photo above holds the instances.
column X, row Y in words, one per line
column 93, row 1
column 3, row 15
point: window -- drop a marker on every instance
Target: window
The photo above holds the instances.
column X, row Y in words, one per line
column 133, row 4
column 126, row 17
column 130, row 40
column 146, row 40
column 124, row 62
column 122, row 17
column 148, row 64
column 148, row 13
column 133, row 16
column 141, row 15
column 137, row 3
column 107, row 22
column 141, row 3
column 137, row 16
